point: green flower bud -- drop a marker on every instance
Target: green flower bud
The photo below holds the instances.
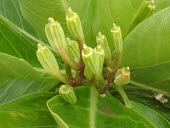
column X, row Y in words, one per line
column 73, row 49
column 55, row 34
column 88, row 58
column 99, row 58
column 67, row 94
column 102, row 40
column 87, row 73
column 117, row 38
column 74, row 25
column 122, row 76
column 47, row 60
column 49, row 63
column 145, row 11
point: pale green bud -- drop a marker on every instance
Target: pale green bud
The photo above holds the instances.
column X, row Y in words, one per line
column 99, row 58
column 74, row 25
column 88, row 58
column 102, row 40
column 122, row 76
column 49, row 63
column 73, row 49
column 145, row 11
column 47, row 60
column 117, row 38
column 87, row 73
column 55, row 34
column 67, row 94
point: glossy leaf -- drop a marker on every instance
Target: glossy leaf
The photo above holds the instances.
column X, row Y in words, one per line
column 155, row 77
column 93, row 111
column 155, row 118
column 148, row 43
column 12, row 88
column 27, row 111
column 16, row 67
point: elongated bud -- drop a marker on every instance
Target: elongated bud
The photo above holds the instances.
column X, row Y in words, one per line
column 122, row 76
column 117, row 38
column 99, row 58
column 145, row 11
column 73, row 49
column 74, row 25
column 55, row 34
column 67, row 94
column 88, row 58
column 102, row 40
column 87, row 73
column 47, row 60
column 49, row 63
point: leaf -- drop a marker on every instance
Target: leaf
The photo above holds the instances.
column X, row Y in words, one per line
column 161, row 4
column 28, row 111
column 148, row 43
column 98, row 17
column 145, row 97
column 154, row 77
column 155, row 118
column 93, row 111
column 16, row 67
column 12, row 88
column 17, row 43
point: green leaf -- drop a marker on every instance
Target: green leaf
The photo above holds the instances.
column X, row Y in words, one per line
column 148, row 43
column 16, row 67
column 16, row 42
column 155, row 118
column 156, row 77
column 12, row 88
column 98, row 17
column 161, row 4
column 29, row 111
column 91, row 111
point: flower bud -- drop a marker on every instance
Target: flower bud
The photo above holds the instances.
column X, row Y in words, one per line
column 49, row 63
column 55, row 34
column 67, row 94
column 74, row 25
column 145, row 11
column 122, row 76
column 47, row 60
column 102, row 41
column 117, row 38
column 99, row 58
column 87, row 73
column 88, row 58
column 73, row 49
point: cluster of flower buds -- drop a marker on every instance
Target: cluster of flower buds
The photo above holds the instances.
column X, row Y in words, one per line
column 73, row 51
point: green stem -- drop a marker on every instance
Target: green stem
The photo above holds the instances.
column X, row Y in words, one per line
column 109, row 62
column 117, row 61
column 68, row 71
column 62, row 78
column 123, row 95
column 67, row 59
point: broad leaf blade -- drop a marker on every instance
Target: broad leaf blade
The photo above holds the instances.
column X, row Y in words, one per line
column 155, row 77
column 12, row 88
column 93, row 111
column 155, row 118
column 148, row 43
column 29, row 111
column 16, row 67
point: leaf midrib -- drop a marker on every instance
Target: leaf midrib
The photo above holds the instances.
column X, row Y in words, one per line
column 93, row 101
